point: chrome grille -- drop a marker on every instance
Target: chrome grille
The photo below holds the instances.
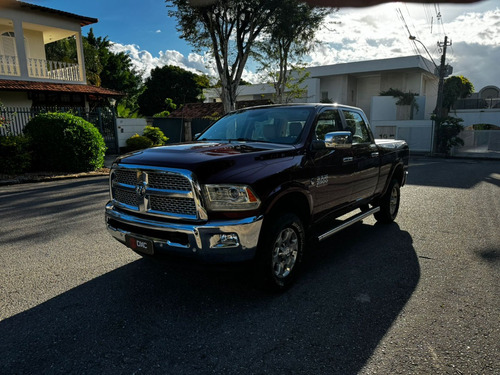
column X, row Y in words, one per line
column 173, row 205
column 126, row 197
column 160, row 192
column 125, row 176
column 168, row 181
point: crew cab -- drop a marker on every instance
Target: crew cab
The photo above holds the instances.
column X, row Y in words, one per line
column 256, row 186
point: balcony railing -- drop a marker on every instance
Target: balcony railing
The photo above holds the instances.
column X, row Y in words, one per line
column 9, row 66
column 40, row 68
column 58, row 70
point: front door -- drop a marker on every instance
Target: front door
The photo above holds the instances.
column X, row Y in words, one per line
column 332, row 168
column 365, row 156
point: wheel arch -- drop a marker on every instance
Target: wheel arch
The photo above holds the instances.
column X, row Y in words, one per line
column 294, row 201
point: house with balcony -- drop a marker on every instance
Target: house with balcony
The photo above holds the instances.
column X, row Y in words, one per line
column 28, row 75
column 360, row 84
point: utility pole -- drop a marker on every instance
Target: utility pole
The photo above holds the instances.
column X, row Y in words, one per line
column 439, row 104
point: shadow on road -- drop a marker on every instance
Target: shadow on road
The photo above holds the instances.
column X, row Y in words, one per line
column 150, row 317
column 443, row 172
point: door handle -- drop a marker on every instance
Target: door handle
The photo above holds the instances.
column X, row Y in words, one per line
column 348, row 159
column 374, row 154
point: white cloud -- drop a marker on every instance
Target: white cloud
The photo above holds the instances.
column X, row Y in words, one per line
column 158, row 31
column 144, row 61
column 376, row 33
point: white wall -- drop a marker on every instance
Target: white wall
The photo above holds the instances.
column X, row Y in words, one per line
column 417, row 133
column 477, row 116
column 127, row 127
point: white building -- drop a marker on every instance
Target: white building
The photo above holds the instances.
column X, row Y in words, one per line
column 27, row 77
column 360, row 83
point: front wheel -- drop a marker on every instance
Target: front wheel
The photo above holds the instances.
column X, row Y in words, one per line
column 389, row 204
column 280, row 252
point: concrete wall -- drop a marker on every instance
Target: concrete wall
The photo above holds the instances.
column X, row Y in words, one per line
column 127, row 127
column 478, row 116
column 417, row 133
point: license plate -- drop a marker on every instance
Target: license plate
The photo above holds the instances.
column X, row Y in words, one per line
column 140, row 244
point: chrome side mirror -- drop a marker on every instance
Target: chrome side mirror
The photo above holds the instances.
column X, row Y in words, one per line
column 341, row 139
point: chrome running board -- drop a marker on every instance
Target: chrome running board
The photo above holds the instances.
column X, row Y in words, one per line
column 349, row 222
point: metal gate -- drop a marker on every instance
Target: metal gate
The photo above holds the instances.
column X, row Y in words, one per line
column 103, row 119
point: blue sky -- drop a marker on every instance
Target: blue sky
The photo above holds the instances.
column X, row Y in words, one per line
column 144, row 30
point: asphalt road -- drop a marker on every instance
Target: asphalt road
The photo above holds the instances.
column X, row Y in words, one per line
column 421, row 296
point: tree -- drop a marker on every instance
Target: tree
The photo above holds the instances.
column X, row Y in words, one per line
column 227, row 28
column 456, row 87
column 290, row 37
column 102, row 66
column 171, row 82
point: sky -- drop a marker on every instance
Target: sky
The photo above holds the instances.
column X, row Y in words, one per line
column 144, row 30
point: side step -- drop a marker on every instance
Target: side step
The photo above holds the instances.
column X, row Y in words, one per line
column 349, row 222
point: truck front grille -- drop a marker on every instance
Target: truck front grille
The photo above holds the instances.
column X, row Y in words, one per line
column 163, row 192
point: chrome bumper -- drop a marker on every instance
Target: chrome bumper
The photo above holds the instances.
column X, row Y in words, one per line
column 218, row 241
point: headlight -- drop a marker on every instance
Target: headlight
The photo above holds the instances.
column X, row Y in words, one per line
column 231, row 198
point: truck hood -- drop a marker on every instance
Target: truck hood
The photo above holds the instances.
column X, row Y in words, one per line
column 214, row 160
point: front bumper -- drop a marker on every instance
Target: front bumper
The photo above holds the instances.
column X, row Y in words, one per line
column 218, row 241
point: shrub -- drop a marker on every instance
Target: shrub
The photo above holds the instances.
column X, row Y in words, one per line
column 15, row 154
column 64, row 142
column 447, row 135
column 138, row 142
column 155, row 134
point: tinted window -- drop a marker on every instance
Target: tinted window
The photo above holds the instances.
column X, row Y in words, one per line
column 357, row 126
column 328, row 121
column 273, row 124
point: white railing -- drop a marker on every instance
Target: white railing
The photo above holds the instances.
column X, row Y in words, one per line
column 58, row 70
column 9, row 66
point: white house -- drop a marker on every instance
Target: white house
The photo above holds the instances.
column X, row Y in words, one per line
column 27, row 77
column 360, row 84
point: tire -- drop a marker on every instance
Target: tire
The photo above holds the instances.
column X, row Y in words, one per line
column 389, row 204
column 280, row 252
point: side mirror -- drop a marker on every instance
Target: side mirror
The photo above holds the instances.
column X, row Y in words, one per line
column 340, row 139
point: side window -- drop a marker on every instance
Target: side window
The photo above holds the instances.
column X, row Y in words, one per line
column 357, row 126
column 328, row 121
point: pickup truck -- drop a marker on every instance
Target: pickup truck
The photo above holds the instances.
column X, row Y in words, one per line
column 260, row 185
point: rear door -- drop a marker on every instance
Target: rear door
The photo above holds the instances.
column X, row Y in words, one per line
column 365, row 157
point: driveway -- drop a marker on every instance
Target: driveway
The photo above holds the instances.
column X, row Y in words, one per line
column 421, row 296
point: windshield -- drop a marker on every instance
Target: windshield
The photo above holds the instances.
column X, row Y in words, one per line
column 272, row 124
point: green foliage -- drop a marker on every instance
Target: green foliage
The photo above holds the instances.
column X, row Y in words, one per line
column 123, row 111
column 138, row 142
column 64, row 142
column 228, row 31
column 404, row 98
column 456, row 87
column 155, row 135
column 102, row 66
column 169, row 82
column 15, row 154
column 290, row 36
column 447, row 134
column 162, row 114
column 485, row 127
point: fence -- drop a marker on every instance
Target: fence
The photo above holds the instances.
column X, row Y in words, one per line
column 178, row 130
column 104, row 119
column 479, row 143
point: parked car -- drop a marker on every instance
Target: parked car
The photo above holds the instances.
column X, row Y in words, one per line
column 256, row 186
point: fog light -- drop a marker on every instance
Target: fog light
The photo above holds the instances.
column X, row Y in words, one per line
column 218, row 241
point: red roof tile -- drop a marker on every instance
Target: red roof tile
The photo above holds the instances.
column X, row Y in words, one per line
column 213, row 110
column 56, row 87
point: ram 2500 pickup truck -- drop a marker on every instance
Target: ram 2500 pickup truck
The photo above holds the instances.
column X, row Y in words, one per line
column 257, row 185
